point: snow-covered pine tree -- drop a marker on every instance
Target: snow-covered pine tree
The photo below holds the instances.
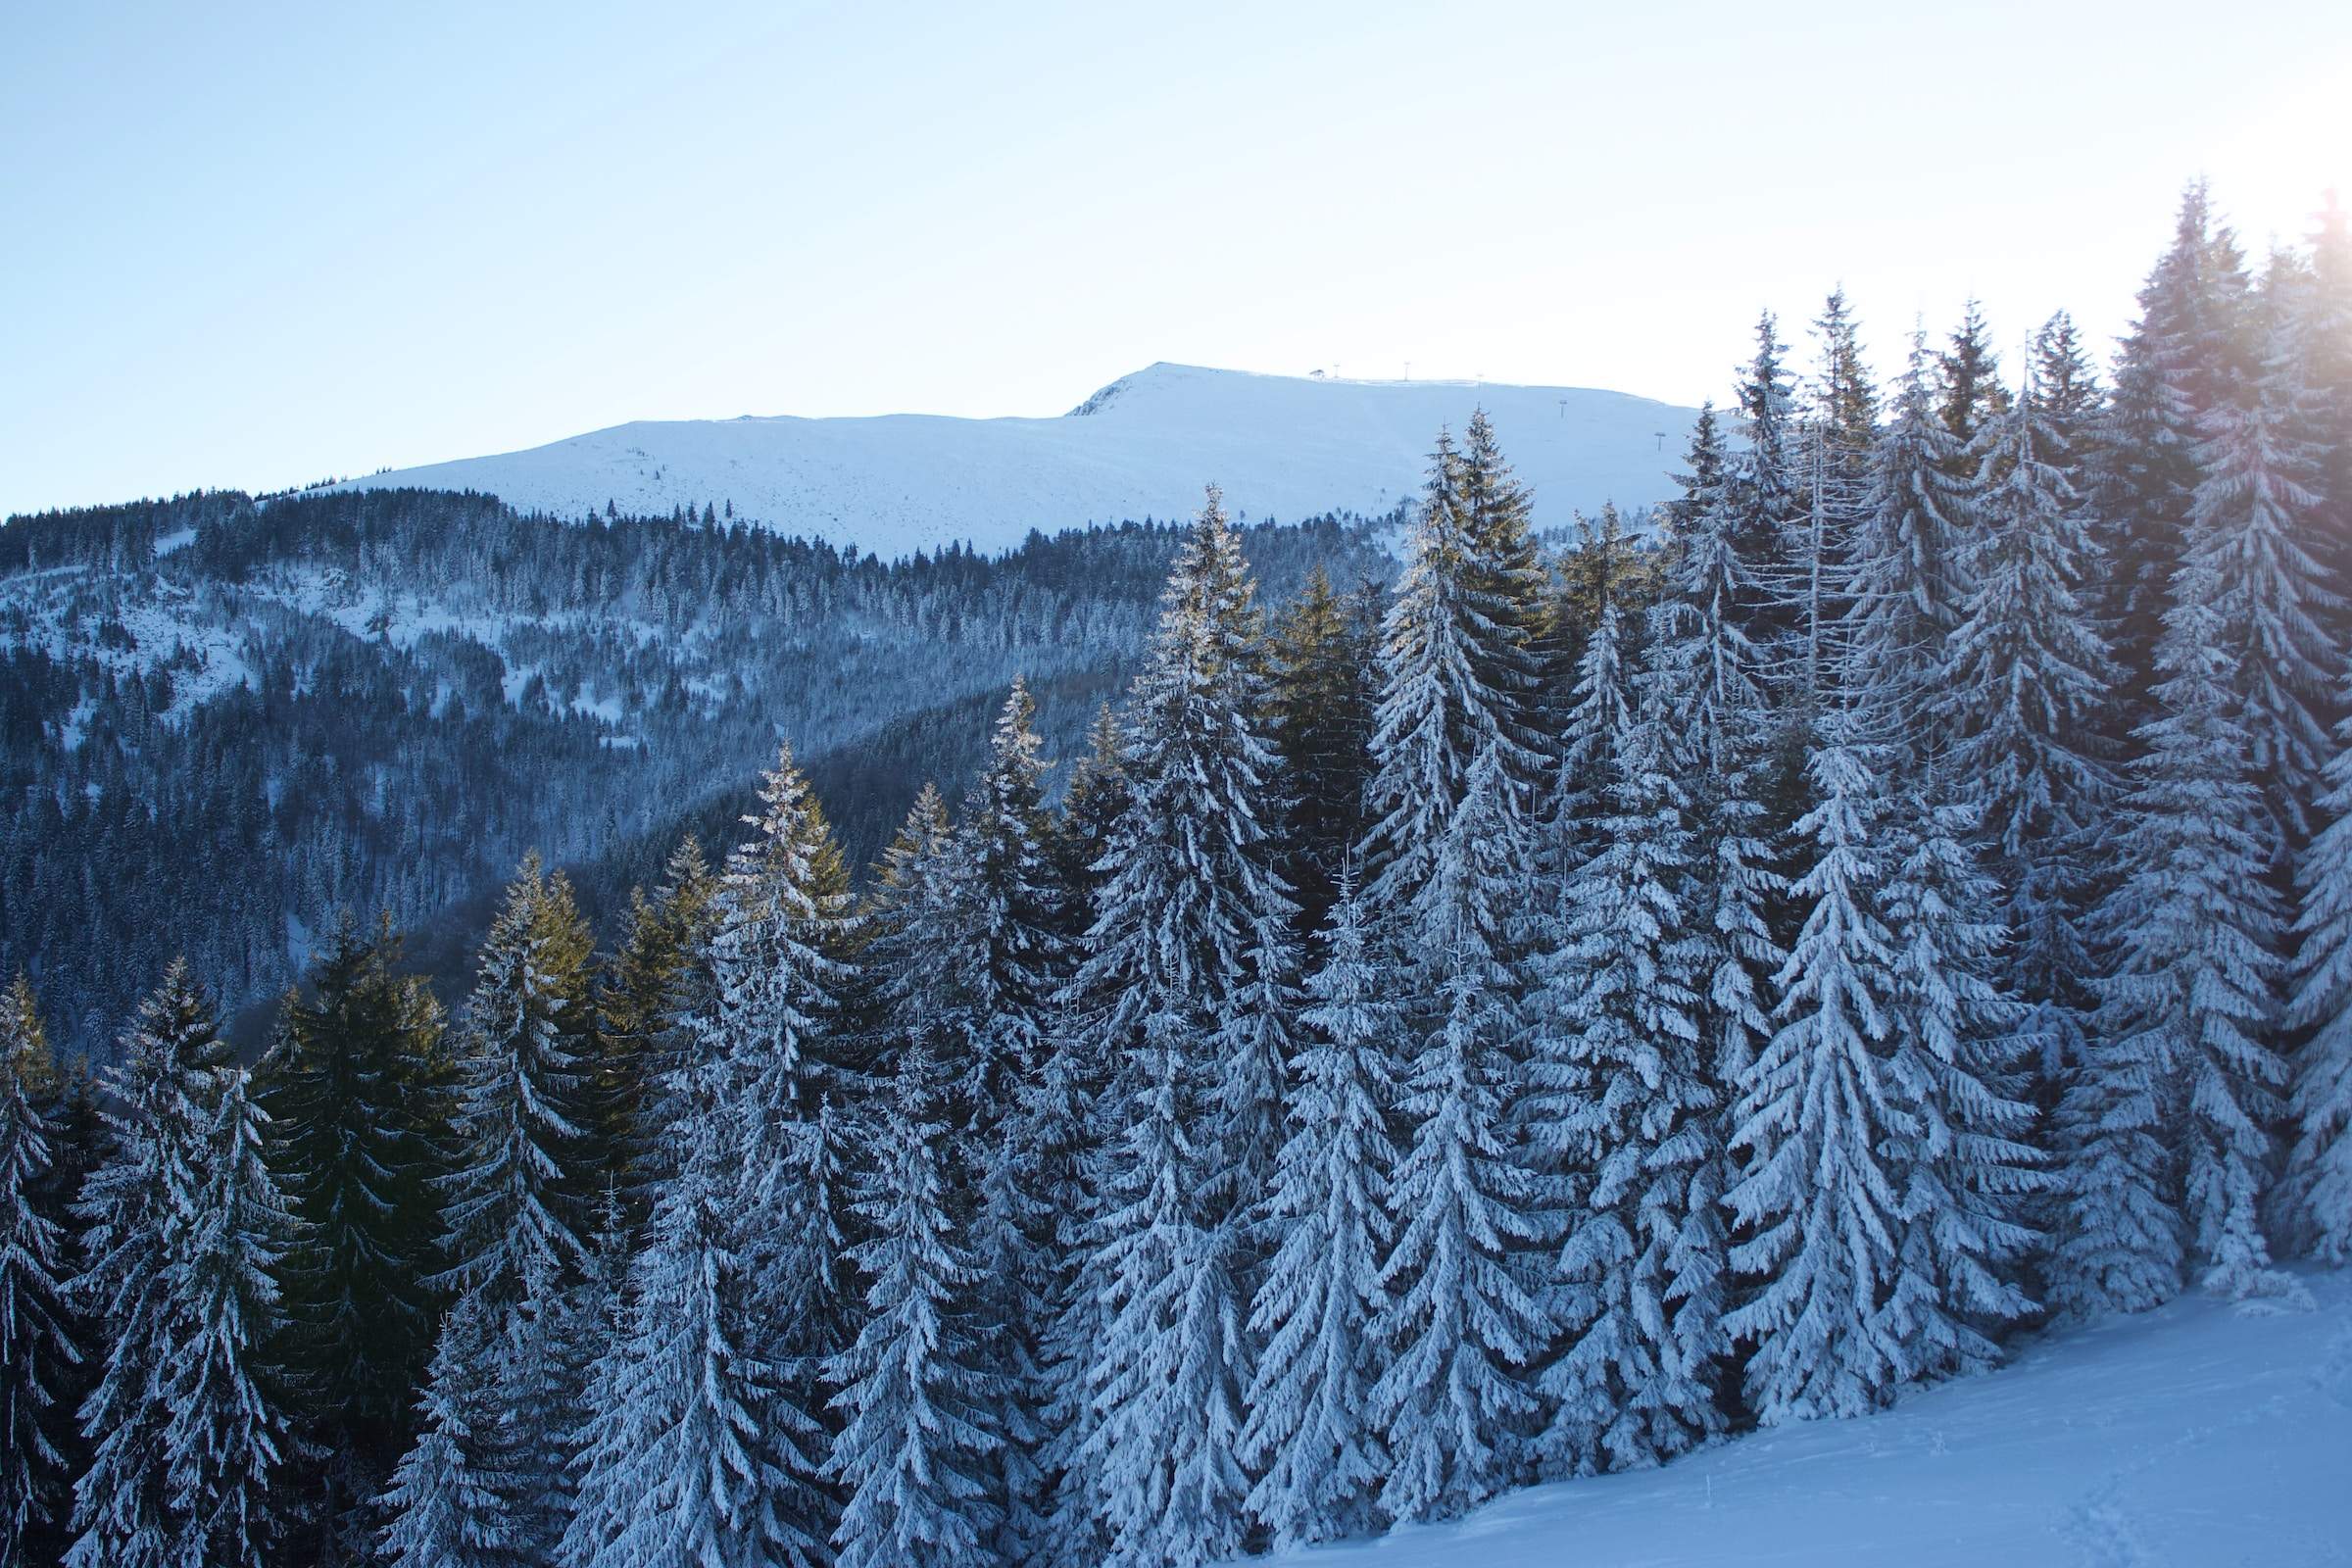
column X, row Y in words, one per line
column 224, row 1436
column 775, row 1030
column 921, row 1411
column 1463, row 1318
column 2319, row 1172
column 446, row 1506
column 358, row 1114
column 1628, row 1099
column 1711, row 686
column 39, row 1359
column 539, row 1362
column 1001, row 1159
column 516, row 1196
column 2184, row 357
column 1820, row 1196
column 1763, row 494
column 1600, row 709
column 1507, row 587
column 1957, row 1143
column 697, row 1449
column 1308, row 1437
column 1320, row 721
column 1909, row 567
column 1452, row 659
column 2024, row 687
column 1091, row 809
column 135, row 1206
column 2164, row 1134
column 1188, row 960
column 640, row 996
column 2071, row 401
column 2324, row 337
column 1969, row 391
column 2251, row 518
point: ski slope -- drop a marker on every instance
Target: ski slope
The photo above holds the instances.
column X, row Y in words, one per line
column 2194, row 1434
column 1283, row 446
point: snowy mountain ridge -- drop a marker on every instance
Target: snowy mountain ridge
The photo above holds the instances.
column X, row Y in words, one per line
column 1286, row 447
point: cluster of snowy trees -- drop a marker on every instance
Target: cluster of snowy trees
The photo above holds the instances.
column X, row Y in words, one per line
column 1528, row 1023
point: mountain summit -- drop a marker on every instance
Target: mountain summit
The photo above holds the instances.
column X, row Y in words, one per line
column 1282, row 446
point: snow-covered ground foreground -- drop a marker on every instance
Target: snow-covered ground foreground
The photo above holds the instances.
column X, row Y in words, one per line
column 2193, row 1435
column 1283, row 446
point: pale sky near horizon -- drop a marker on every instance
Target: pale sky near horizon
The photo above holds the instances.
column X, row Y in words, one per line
column 253, row 245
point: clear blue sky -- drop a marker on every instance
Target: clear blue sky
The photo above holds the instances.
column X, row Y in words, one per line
column 247, row 244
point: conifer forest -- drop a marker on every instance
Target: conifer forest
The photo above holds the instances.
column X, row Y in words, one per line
column 1181, row 1041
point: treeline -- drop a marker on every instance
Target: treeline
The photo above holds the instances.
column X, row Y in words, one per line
column 1532, row 1021
column 380, row 701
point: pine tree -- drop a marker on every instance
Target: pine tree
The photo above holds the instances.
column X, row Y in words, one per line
column 2247, row 522
column 642, row 993
column 135, row 1206
column 37, row 1348
column 2181, row 1058
column 446, row 1507
column 1820, row 1199
column 2024, row 687
column 1320, row 722
column 518, row 1197
column 912, row 1454
column 2185, row 357
column 1970, row 393
column 1463, row 1318
column 777, row 1034
column 2319, row 1181
column 1189, row 958
column 224, row 1437
column 1640, row 1279
column 1318, row 1458
column 357, row 1113
column 1910, row 564
column 698, row 1450
column 1763, row 496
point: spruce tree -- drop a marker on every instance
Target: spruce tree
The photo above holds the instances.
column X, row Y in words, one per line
column 517, row 1200
column 1464, row 1318
column 1188, row 958
column 1320, row 722
column 1763, row 492
column 136, row 1207
column 641, row 993
column 224, row 1437
column 2319, row 1179
column 921, row 1411
column 446, row 1507
column 2024, row 686
column 2179, row 1084
column 1632, row 1106
column 698, row 1449
column 1317, row 1455
column 357, row 1107
column 37, row 1348
column 1970, row 394
column 1820, row 1198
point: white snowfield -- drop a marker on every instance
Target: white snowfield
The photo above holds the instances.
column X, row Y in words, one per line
column 2194, row 1434
column 1281, row 447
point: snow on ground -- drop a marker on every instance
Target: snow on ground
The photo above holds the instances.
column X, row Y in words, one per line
column 1285, row 447
column 2192, row 1435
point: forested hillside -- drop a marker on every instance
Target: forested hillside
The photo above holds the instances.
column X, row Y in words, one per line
column 1549, row 1015
column 225, row 721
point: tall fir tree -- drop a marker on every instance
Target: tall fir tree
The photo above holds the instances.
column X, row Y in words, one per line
column 1763, row 493
column 517, row 1200
column 643, row 991
column 446, row 1506
column 2318, row 1171
column 1320, row 722
column 1318, row 1458
column 1970, row 393
column 358, row 1115
column 2022, row 689
column 225, row 1435
column 2165, row 1130
column 1632, row 1103
column 1464, row 1318
column 1190, row 955
column 37, row 1348
column 921, row 1409
column 136, row 1207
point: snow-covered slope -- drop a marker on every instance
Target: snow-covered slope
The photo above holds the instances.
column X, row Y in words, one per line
column 1283, row 446
column 2191, row 1436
